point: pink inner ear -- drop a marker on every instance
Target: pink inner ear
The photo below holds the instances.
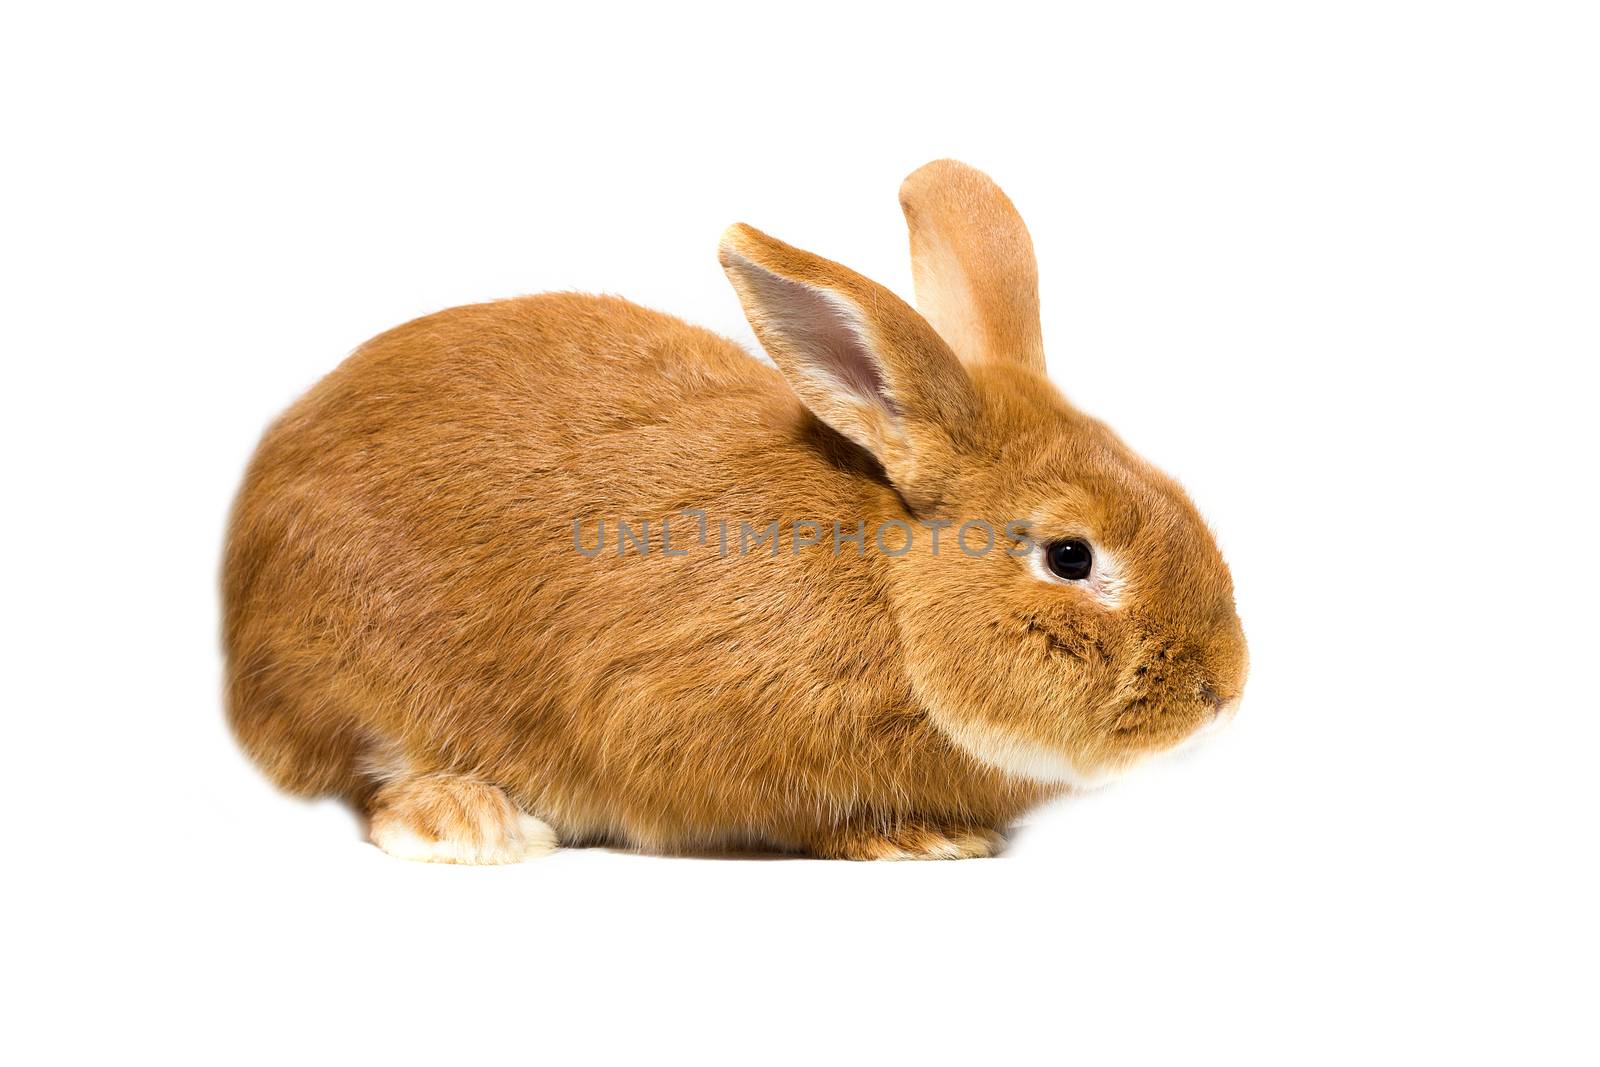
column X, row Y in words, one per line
column 827, row 333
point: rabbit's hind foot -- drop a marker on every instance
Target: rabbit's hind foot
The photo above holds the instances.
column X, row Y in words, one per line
column 451, row 818
column 909, row 840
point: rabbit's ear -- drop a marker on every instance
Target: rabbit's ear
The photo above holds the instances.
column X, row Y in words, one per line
column 856, row 355
column 973, row 266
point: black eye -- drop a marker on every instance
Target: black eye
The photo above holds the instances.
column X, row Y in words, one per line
column 1071, row 560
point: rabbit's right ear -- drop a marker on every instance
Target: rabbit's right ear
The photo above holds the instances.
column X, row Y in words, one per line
column 862, row 360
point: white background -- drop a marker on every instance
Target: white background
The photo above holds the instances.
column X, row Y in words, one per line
column 1335, row 266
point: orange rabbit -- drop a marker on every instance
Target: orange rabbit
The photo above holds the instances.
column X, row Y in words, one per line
column 564, row 569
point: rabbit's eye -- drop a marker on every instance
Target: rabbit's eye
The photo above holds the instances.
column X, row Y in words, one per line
column 1070, row 560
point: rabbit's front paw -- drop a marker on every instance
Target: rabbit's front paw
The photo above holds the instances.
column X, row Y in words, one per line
column 448, row 818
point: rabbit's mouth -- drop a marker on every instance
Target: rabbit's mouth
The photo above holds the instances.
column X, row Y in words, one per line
column 1159, row 719
column 1222, row 713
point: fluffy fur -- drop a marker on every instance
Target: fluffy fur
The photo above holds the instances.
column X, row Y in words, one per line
column 408, row 624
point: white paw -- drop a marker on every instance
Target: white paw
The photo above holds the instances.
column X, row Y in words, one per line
column 522, row 837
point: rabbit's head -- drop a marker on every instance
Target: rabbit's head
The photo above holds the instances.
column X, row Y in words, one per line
column 1063, row 608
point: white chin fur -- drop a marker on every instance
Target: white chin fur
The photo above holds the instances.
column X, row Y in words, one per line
column 1025, row 759
column 1036, row 763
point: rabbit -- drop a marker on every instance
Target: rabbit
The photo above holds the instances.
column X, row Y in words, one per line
column 563, row 570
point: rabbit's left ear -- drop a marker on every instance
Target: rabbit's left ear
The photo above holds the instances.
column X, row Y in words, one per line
column 856, row 355
column 972, row 264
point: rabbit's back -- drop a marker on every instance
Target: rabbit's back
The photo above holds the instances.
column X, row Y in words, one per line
column 425, row 571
